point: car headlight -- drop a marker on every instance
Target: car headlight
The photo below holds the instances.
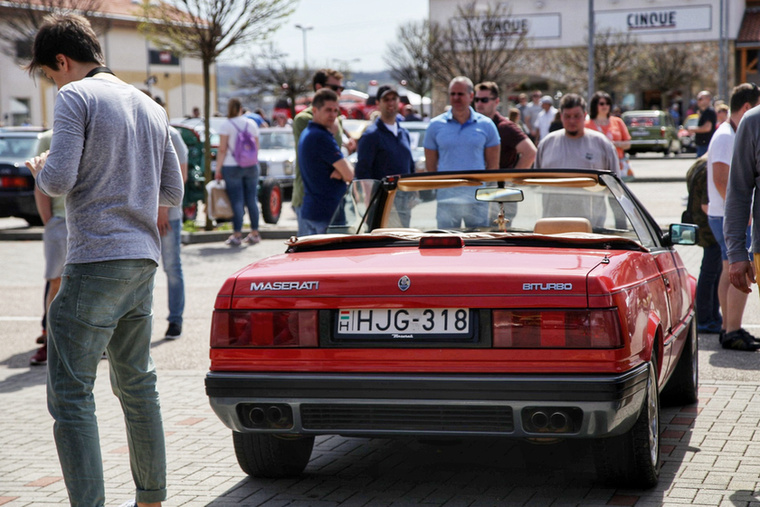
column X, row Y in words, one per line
column 287, row 167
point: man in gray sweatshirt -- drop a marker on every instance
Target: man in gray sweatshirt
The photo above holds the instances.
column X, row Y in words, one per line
column 111, row 156
column 743, row 187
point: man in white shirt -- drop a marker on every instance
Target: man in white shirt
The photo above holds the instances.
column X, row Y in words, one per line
column 732, row 301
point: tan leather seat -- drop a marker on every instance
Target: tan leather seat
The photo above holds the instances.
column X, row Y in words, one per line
column 558, row 225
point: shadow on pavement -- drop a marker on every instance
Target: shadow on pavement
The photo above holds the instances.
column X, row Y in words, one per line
column 488, row 471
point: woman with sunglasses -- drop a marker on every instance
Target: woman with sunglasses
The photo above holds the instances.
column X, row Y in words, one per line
column 601, row 119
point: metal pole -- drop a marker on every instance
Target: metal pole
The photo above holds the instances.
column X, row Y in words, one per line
column 590, row 48
column 304, row 29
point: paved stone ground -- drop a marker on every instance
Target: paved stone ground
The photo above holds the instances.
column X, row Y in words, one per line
column 710, row 454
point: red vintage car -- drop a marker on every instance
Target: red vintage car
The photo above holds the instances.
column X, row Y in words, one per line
column 557, row 310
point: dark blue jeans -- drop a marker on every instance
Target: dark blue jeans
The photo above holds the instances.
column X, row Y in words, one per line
column 708, row 306
column 242, row 188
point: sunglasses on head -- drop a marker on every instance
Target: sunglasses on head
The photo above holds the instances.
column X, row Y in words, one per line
column 484, row 100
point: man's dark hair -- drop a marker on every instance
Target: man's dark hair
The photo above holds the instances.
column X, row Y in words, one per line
column 323, row 95
column 67, row 34
column 743, row 94
column 572, row 100
column 321, row 76
column 489, row 86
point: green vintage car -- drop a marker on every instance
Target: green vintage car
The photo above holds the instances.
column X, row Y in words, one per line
column 652, row 131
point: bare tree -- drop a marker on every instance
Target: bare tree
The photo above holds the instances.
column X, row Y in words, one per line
column 205, row 29
column 410, row 57
column 671, row 67
column 615, row 57
column 22, row 20
column 269, row 72
column 482, row 44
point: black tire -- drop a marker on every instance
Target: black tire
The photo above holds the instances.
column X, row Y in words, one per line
column 33, row 220
column 271, row 201
column 273, row 456
column 683, row 386
column 633, row 459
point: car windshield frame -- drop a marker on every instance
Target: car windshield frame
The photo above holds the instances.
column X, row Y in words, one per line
column 596, row 197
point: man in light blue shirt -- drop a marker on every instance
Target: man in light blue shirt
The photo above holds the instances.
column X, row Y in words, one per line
column 461, row 140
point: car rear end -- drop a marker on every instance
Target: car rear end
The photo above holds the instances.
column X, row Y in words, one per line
column 381, row 350
column 648, row 131
column 16, row 181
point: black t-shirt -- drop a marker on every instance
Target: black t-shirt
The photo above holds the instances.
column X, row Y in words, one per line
column 708, row 115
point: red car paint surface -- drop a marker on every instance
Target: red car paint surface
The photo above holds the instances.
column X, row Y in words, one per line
column 572, row 333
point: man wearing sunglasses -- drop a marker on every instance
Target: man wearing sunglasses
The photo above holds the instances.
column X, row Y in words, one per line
column 517, row 151
column 323, row 78
column 461, row 139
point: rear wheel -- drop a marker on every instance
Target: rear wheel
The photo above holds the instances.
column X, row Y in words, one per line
column 683, row 386
column 274, row 456
column 271, row 201
column 633, row 459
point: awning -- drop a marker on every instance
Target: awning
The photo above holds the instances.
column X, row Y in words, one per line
column 749, row 33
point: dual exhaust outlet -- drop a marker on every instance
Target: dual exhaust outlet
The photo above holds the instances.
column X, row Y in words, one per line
column 552, row 419
column 268, row 416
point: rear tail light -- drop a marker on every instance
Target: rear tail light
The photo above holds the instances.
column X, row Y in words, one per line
column 297, row 328
column 663, row 132
column 18, row 182
column 577, row 329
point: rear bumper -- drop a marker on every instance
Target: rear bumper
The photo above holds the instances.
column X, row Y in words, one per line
column 574, row 406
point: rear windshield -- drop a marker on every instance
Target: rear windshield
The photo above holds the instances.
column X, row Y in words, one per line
column 642, row 121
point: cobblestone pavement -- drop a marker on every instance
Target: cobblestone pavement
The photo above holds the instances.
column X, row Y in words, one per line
column 710, row 451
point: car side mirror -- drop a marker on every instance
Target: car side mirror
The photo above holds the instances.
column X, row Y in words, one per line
column 682, row 234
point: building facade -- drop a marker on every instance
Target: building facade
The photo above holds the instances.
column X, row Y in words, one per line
column 177, row 82
column 724, row 35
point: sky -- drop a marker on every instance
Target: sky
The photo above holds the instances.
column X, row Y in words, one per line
column 345, row 31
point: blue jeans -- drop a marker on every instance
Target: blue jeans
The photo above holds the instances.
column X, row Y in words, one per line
column 450, row 215
column 172, row 263
column 708, row 306
column 105, row 306
column 701, row 150
column 313, row 227
column 242, row 188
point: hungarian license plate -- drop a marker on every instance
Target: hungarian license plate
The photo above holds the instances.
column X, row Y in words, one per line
column 406, row 323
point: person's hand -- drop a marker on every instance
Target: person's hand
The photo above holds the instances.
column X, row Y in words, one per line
column 163, row 221
column 218, row 175
column 351, row 145
column 36, row 164
column 742, row 275
column 335, row 175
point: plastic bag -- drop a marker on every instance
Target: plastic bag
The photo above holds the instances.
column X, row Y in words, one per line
column 219, row 205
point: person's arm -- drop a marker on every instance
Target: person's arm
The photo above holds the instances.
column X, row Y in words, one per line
column 720, row 177
column 221, row 153
column 366, row 154
column 491, row 154
column 527, row 151
column 739, row 193
column 343, row 170
column 44, row 205
column 431, row 160
column 171, row 186
column 625, row 143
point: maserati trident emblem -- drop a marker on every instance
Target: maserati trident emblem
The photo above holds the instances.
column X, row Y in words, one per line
column 404, row 283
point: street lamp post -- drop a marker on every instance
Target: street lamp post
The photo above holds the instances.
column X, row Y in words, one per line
column 304, row 29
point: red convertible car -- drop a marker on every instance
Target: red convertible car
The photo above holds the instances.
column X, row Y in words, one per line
column 540, row 305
